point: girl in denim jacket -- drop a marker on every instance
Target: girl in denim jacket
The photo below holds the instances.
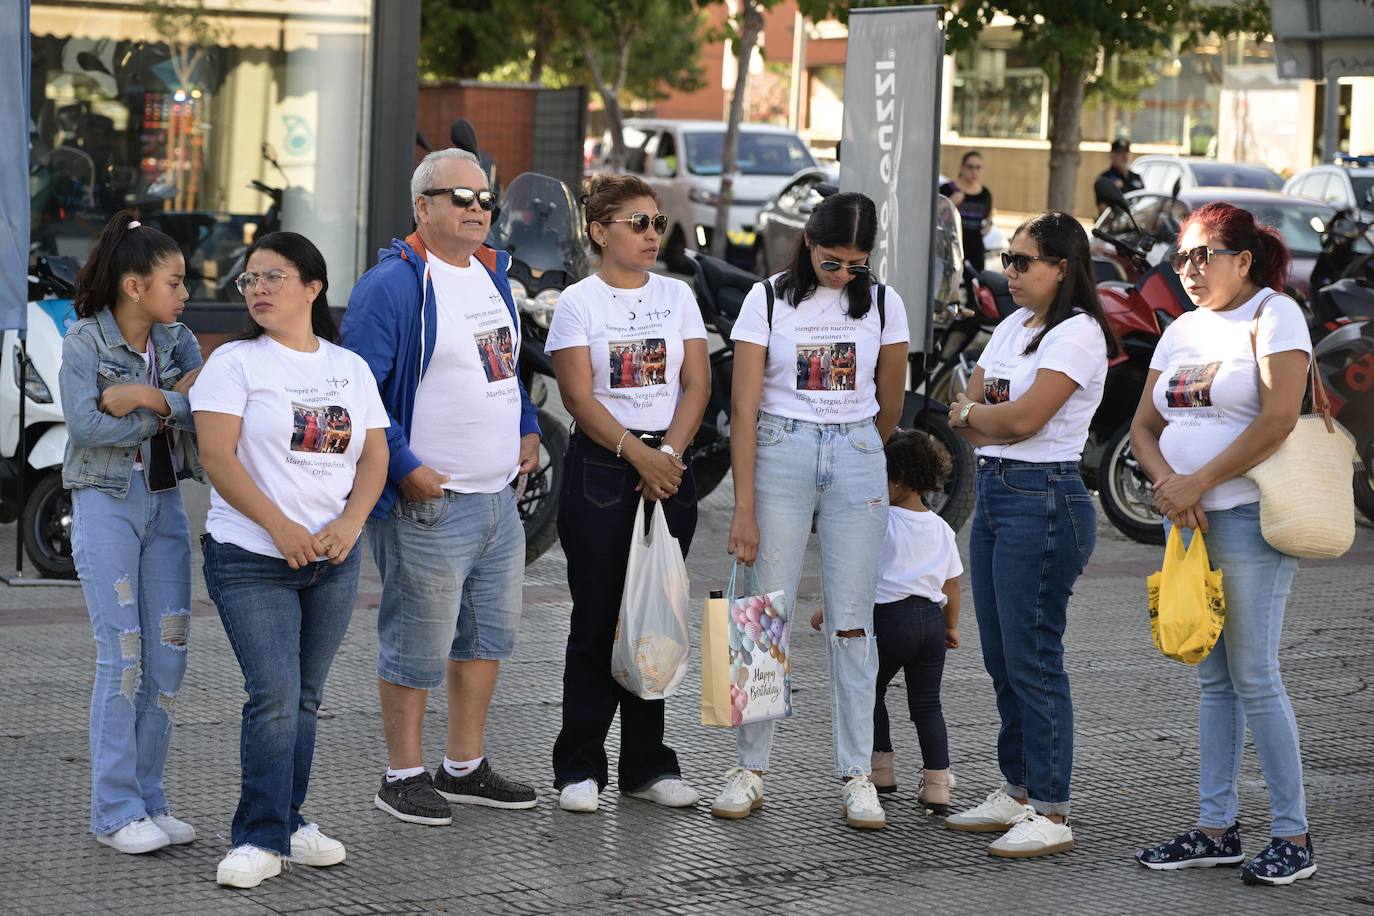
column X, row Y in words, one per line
column 127, row 366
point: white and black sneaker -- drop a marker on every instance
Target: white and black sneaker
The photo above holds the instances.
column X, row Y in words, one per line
column 483, row 786
column 414, row 800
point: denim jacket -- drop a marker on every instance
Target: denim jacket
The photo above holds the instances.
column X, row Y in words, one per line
column 100, row 447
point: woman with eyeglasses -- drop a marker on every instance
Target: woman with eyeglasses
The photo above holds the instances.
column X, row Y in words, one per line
column 803, row 449
column 1224, row 390
column 1026, row 410
column 291, row 492
column 629, row 442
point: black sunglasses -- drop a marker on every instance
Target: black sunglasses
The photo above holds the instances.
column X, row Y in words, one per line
column 463, row 197
column 1022, row 262
column 855, row 270
column 640, row 222
column 1199, row 256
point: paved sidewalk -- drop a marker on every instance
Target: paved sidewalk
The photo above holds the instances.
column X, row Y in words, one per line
column 1135, row 776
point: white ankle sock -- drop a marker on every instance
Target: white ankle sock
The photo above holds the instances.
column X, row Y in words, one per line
column 395, row 775
column 462, row 767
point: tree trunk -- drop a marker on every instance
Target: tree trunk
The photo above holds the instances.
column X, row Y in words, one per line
column 543, row 38
column 751, row 18
column 1066, row 123
column 615, row 121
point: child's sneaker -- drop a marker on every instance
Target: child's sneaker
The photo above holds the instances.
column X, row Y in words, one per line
column 1194, row 849
column 1281, row 862
column 884, row 774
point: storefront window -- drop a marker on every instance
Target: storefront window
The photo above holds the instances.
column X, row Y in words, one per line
column 998, row 92
column 214, row 119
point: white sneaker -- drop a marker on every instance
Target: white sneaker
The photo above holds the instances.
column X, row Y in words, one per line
column 311, row 847
column 742, row 795
column 861, row 807
column 178, row 832
column 670, row 793
column 247, row 866
column 1034, row 835
column 995, row 815
column 136, row 837
column 580, row 796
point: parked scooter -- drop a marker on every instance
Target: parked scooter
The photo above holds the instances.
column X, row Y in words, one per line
column 539, row 225
column 45, row 516
column 1343, row 277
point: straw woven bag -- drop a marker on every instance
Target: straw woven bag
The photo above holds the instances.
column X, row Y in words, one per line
column 1307, row 502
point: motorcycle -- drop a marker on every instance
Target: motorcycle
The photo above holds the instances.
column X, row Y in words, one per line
column 1343, row 275
column 45, row 515
column 538, row 224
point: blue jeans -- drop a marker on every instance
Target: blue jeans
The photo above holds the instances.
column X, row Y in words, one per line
column 284, row 625
column 134, row 558
column 452, row 570
column 836, row 471
column 1034, row 529
column 1240, row 679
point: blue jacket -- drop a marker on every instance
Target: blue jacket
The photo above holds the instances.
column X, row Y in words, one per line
column 383, row 325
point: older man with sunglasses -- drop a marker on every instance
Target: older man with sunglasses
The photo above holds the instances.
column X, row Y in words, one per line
column 446, row 536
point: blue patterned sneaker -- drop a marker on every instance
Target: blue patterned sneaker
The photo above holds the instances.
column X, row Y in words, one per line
column 1281, row 862
column 1194, row 849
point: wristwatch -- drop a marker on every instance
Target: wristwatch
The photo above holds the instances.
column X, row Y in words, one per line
column 963, row 414
column 667, row 449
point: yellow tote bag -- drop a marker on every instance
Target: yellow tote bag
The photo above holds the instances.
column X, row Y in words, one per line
column 1187, row 605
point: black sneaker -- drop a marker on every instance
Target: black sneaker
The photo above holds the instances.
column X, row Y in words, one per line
column 1194, row 849
column 483, row 786
column 414, row 800
column 1281, row 863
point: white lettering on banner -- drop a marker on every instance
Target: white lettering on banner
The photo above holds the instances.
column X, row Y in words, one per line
column 889, row 166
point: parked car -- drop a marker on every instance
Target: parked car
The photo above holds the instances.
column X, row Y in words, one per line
column 1345, row 187
column 682, row 160
column 1160, row 173
column 1160, row 215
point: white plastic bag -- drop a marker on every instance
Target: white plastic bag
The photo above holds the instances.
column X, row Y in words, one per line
column 649, row 657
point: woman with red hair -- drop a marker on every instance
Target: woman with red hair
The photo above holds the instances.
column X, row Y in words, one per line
column 1225, row 389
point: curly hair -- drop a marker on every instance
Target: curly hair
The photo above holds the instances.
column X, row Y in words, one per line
column 916, row 460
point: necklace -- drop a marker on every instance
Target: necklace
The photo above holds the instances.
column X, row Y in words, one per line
column 618, row 298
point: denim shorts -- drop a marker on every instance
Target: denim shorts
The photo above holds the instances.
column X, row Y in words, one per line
column 452, row 571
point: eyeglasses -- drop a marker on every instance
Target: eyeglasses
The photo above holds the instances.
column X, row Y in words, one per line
column 1022, row 262
column 855, row 270
column 640, row 222
column 272, row 280
column 1199, row 256
column 463, row 197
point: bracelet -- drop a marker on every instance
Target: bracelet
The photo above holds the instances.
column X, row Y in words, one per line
column 621, row 444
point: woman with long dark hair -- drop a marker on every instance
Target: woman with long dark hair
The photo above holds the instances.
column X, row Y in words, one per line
column 630, row 443
column 126, row 367
column 285, row 514
column 801, row 449
column 1026, row 410
column 1225, row 389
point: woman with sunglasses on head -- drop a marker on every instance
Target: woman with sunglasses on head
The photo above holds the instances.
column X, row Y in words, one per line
column 286, row 509
column 802, row 449
column 126, row 367
column 630, row 442
column 1026, row 410
column 1224, row 390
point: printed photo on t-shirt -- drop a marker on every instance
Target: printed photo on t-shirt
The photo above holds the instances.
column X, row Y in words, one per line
column 1191, row 386
column 324, row 429
column 639, row 363
column 826, row 367
column 496, row 354
column 996, row 390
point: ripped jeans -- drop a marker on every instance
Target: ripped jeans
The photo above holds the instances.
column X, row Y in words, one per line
column 836, row 472
column 134, row 559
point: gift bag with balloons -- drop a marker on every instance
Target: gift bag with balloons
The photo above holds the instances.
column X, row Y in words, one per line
column 744, row 664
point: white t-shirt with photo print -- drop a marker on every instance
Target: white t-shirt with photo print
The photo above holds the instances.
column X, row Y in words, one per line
column 635, row 340
column 1075, row 347
column 305, row 418
column 1208, row 385
column 466, row 421
column 821, row 363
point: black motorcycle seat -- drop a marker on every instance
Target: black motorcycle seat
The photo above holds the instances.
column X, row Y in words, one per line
column 998, row 284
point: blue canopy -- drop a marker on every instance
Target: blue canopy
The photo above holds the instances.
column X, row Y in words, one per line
column 14, row 169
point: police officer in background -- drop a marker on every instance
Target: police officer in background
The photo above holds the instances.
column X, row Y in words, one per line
column 1120, row 171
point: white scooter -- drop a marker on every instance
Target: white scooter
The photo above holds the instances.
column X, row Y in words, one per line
column 45, row 514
